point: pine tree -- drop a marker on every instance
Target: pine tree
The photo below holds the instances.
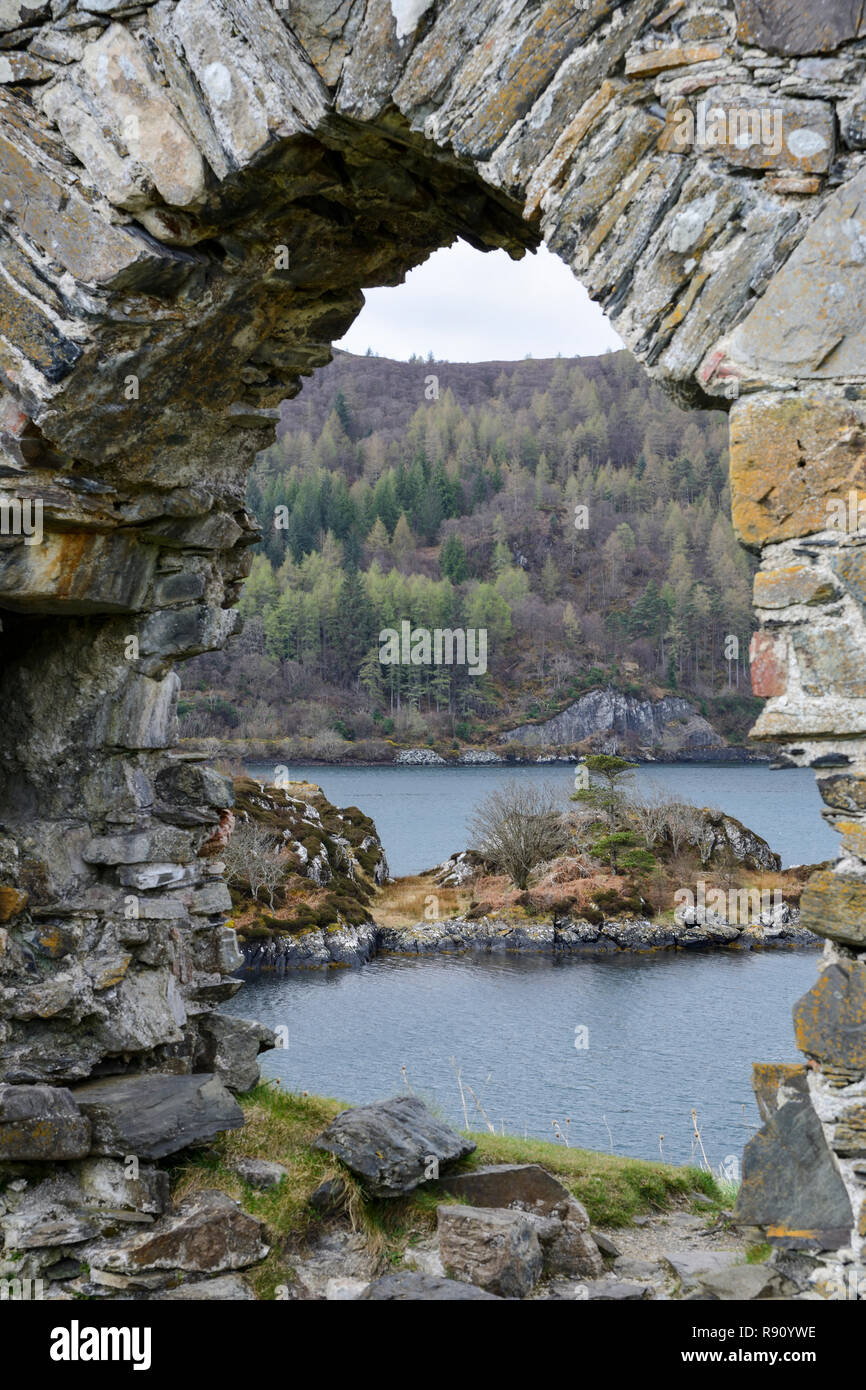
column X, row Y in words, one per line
column 355, row 625
column 452, row 559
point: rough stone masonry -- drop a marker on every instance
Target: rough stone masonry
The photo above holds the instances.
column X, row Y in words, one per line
column 192, row 194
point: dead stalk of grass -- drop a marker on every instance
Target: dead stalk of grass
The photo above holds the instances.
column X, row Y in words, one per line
column 698, row 1143
column 457, row 1072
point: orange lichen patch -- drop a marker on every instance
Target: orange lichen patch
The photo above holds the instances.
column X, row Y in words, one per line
column 853, row 836
column 678, row 313
column 780, row 588
column 830, row 1020
column 790, row 459
column 617, row 206
column 834, row 905
column 111, row 973
column 789, row 1233
column 767, row 1077
column 12, row 901
column 557, row 30
column 86, row 570
column 667, row 13
column 52, row 941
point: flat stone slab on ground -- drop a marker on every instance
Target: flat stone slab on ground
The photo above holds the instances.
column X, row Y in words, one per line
column 426, row 1288
column 618, row 1290
column 688, row 1265
column 626, row 1267
column 740, row 1282
column 393, row 1145
column 227, row 1288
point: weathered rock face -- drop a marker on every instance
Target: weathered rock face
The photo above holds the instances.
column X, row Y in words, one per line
column 498, row 1250
column 669, row 725
column 193, row 195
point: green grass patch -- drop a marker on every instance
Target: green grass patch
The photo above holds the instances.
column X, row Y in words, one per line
column 281, row 1126
column 758, row 1254
column 614, row 1190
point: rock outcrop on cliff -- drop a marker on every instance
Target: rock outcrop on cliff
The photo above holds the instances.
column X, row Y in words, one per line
column 623, row 723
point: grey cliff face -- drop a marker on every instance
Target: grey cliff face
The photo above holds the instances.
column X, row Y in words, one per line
column 668, row 724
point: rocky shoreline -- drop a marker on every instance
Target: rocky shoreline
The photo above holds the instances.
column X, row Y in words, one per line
column 316, row 949
column 255, row 751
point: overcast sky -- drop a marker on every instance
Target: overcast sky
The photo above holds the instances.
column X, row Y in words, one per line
column 470, row 306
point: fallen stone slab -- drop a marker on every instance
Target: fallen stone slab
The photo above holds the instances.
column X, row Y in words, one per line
column 561, row 1223
column 153, row 1114
column 627, row 1267
column 259, row 1172
column 741, row 1282
column 424, row 1288
column 614, row 1290
column 92, row 1283
column 393, row 1145
column 526, row 1185
column 40, row 1123
column 497, row 1250
column 207, row 1234
column 225, row 1288
column 689, row 1265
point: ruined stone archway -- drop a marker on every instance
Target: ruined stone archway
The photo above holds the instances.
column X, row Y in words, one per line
column 191, row 196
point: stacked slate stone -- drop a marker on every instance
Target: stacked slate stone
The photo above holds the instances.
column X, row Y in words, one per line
column 193, row 195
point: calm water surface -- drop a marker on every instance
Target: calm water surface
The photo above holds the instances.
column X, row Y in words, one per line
column 667, row 1034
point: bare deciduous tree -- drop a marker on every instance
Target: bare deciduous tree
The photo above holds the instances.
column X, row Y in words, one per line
column 517, row 828
column 253, row 861
column 649, row 810
column 679, row 820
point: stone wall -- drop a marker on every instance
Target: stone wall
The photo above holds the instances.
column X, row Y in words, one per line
column 192, row 195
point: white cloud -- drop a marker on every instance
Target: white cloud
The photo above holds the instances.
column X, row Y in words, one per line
column 468, row 306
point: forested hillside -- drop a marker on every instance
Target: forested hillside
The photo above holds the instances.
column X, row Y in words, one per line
column 566, row 506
